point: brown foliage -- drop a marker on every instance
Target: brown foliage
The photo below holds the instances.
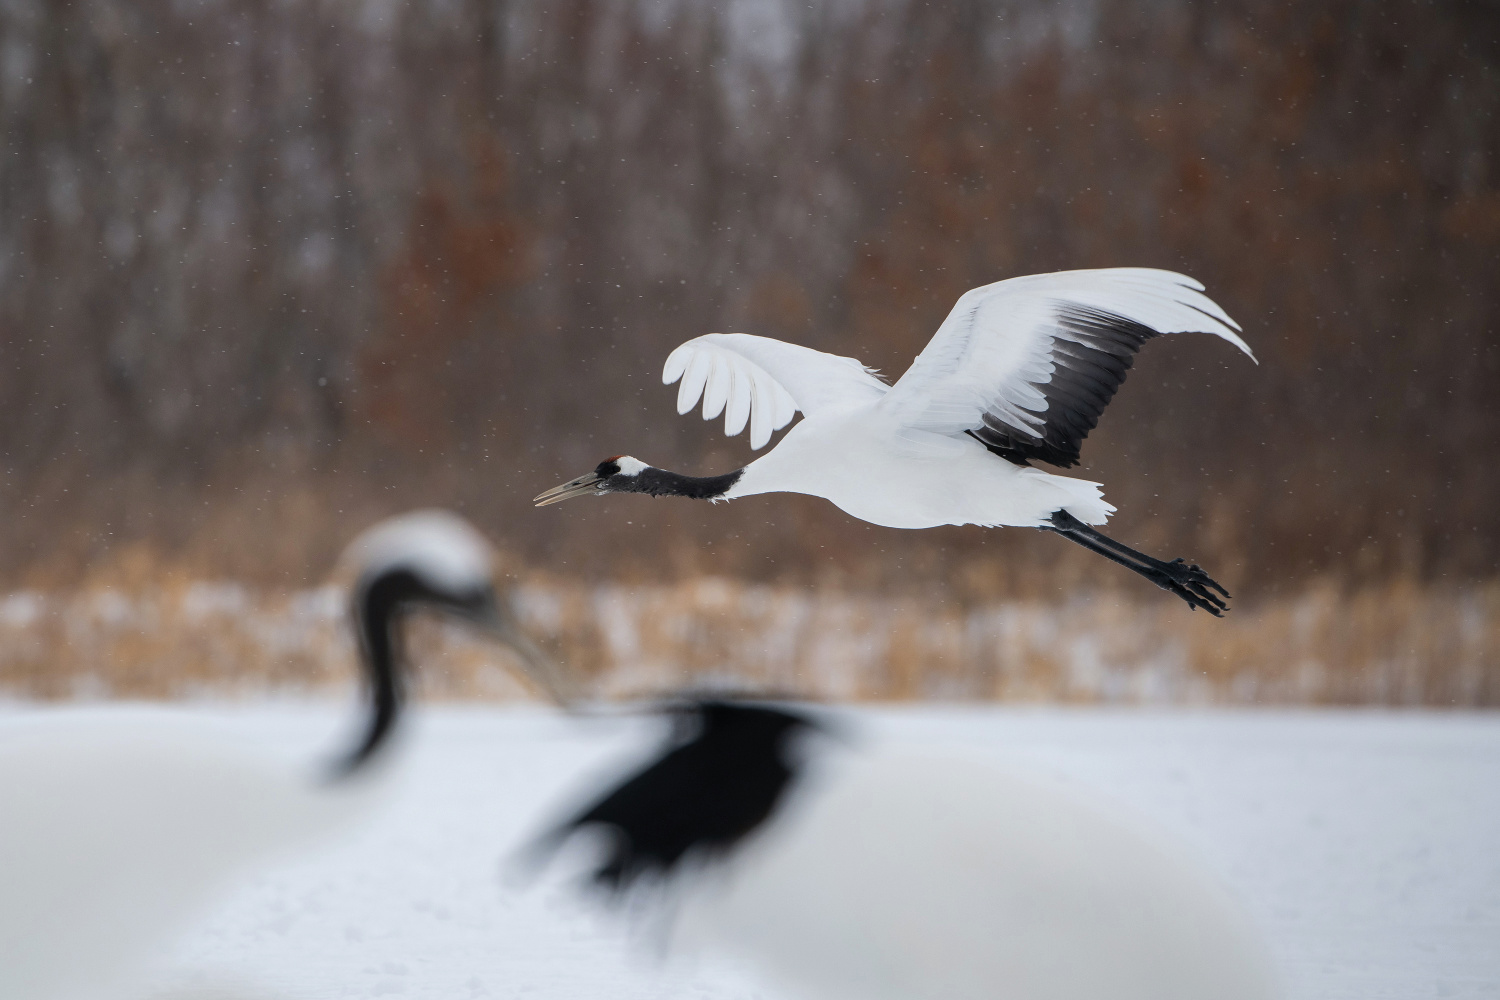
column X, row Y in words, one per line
column 457, row 265
column 127, row 632
column 270, row 270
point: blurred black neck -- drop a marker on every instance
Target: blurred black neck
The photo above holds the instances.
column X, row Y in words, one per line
column 379, row 605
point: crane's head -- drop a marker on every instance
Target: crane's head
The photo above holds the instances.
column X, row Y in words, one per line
column 434, row 560
column 621, row 474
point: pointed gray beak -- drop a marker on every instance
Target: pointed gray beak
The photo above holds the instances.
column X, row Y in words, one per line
column 572, row 488
column 539, row 668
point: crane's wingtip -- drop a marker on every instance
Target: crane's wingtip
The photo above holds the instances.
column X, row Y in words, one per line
column 1185, row 280
column 1238, row 341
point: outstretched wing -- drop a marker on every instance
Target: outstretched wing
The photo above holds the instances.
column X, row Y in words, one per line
column 1027, row 365
column 764, row 381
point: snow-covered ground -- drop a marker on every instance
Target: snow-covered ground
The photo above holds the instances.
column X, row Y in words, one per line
column 1367, row 845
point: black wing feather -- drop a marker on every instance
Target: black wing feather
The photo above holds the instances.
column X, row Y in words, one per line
column 1091, row 352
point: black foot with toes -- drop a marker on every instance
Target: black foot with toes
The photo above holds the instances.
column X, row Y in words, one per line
column 1186, row 580
column 1189, row 582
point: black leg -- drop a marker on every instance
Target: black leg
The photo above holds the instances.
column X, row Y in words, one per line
column 1187, row 581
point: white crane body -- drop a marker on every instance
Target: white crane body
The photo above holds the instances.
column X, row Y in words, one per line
column 118, row 824
column 850, row 872
column 954, row 481
column 899, row 875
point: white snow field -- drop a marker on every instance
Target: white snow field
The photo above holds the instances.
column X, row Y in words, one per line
column 1367, row 845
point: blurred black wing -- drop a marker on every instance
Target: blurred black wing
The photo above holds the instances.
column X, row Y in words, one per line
column 701, row 796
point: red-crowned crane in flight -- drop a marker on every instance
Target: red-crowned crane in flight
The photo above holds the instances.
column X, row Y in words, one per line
column 1018, row 373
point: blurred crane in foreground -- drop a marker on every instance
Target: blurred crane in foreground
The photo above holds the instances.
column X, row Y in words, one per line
column 888, row 877
column 118, row 824
column 1019, row 372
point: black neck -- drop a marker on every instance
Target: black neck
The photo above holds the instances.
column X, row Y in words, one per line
column 379, row 606
column 661, row 483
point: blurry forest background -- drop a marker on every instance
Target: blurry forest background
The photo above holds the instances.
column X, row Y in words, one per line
column 269, row 271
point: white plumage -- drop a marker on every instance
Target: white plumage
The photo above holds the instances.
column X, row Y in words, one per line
column 733, row 373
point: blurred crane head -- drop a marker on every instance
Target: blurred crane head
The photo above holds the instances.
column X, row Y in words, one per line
column 435, row 560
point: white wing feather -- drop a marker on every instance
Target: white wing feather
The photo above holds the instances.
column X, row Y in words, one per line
column 994, row 349
column 764, row 381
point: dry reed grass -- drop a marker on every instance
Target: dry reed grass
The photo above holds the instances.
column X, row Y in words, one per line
column 165, row 636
